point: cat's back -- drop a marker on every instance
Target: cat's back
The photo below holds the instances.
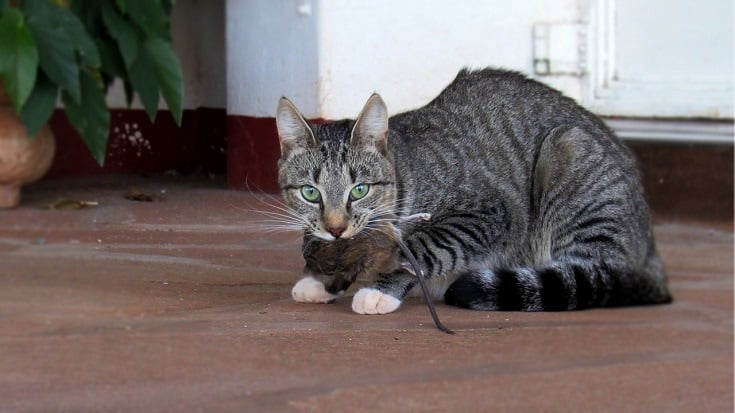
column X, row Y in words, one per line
column 505, row 86
column 495, row 111
column 486, row 130
column 501, row 100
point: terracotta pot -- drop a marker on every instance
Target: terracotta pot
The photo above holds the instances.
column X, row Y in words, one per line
column 22, row 159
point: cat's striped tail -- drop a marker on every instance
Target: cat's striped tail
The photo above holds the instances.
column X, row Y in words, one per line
column 558, row 286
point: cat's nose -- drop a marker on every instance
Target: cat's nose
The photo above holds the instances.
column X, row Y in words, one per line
column 336, row 231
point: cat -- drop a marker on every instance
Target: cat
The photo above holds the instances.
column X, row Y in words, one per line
column 535, row 204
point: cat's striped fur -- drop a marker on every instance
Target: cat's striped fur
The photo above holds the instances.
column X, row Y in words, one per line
column 535, row 204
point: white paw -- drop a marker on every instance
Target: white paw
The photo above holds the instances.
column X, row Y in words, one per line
column 372, row 301
column 310, row 290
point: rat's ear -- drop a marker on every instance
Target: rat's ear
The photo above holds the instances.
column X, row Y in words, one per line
column 371, row 128
column 294, row 133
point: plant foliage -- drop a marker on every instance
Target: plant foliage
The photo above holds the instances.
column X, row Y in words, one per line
column 74, row 49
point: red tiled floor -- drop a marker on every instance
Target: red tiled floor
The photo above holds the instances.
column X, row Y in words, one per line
column 184, row 305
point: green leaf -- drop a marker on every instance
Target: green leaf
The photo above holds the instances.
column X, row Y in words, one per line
column 89, row 13
column 122, row 5
column 56, row 49
column 150, row 16
column 143, row 79
column 40, row 105
column 83, row 44
column 90, row 117
column 168, row 5
column 3, row 5
column 168, row 74
column 18, row 57
column 129, row 92
column 112, row 63
column 123, row 32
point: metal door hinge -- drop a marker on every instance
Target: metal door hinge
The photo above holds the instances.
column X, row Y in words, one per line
column 559, row 49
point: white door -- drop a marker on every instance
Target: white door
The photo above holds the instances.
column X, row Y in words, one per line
column 660, row 58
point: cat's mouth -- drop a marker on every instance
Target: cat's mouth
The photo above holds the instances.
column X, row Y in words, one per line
column 334, row 225
column 335, row 233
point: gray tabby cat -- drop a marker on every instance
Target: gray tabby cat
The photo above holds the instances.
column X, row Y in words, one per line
column 534, row 203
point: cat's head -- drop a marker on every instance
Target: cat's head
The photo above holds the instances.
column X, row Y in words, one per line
column 338, row 178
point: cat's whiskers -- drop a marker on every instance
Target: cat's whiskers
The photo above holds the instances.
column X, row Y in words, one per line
column 378, row 224
column 381, row 217
column 280, row 218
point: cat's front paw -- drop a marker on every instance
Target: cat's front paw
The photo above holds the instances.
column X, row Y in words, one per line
column 372, row 301
column 311, row 290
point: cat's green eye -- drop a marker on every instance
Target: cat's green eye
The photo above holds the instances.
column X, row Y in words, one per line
column 359, row 191
column 310, row 193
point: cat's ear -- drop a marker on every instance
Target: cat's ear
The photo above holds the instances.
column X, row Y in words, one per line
column 293, row 131
column 371, row 128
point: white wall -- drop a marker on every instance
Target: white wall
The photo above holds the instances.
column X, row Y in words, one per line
column 409, row 50
column 271, row 52
column 328, row 56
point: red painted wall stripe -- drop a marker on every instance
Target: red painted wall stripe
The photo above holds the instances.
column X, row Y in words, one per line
column 252, row 153
column 137, row 145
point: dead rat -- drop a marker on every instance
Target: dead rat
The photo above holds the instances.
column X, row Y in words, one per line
column 339, row 263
